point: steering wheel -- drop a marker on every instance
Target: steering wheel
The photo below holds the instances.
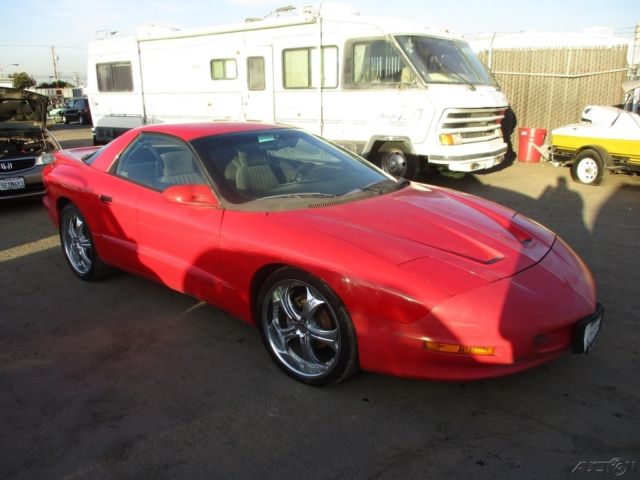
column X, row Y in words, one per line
column 321, row 172
column 300, row 174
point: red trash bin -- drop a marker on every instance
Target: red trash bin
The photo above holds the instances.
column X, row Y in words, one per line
column 528, row 139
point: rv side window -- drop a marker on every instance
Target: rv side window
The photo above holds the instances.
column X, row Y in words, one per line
column 376, row 62
column 223, row 69
column 297, row 68
column 114, row 77
column 297, row 64
column 255, row 73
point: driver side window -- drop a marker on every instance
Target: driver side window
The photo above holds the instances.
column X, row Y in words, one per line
column 158, row 161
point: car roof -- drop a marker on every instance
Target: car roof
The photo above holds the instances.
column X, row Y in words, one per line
column 191, row 131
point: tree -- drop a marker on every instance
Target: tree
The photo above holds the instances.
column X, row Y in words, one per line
column 22, row 80
column 58, row 84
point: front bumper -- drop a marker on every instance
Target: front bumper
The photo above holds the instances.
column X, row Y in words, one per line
column 470, row 163
column 33, row 186
column 529, row 319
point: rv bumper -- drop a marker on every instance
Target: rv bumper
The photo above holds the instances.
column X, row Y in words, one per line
column 470, row 163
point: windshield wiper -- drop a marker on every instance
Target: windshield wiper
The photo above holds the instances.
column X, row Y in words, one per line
column 381, row 187
column 299, row 195
column 457, row 75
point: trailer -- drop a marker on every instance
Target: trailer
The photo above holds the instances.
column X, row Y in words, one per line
column 398, row 93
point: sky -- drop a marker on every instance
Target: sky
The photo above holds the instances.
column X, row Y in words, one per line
column 31, row 27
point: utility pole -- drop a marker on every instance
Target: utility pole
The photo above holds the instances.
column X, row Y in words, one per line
column 636, row 50
column 55, row 64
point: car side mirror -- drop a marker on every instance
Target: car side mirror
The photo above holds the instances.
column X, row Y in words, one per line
column 200, row 195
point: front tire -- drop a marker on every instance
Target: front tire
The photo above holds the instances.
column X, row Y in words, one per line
column 588, row 168
column 78, row 247
column 306, row 328
column 396, row 162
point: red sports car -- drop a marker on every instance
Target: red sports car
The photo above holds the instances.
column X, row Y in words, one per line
column 339, row 265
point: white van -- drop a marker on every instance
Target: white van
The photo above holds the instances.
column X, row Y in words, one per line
column 398, row 93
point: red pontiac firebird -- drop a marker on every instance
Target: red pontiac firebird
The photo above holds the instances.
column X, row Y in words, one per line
column 339, row 265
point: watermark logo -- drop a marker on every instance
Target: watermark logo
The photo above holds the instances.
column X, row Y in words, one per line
column 616, row 466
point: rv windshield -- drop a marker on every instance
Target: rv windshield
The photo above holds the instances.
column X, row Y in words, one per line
column 439, row 60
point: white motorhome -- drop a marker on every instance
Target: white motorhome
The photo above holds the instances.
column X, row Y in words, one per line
column 398, row 93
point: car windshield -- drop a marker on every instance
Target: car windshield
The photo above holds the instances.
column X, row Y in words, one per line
column 285, row 164
column 440, row 60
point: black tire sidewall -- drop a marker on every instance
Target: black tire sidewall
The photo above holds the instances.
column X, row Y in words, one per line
column 347, row 362
column 412, row 167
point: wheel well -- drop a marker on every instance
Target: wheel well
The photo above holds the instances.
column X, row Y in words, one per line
column 382, row 146
column 62, row 202
column 604, row 155
column 257, row 281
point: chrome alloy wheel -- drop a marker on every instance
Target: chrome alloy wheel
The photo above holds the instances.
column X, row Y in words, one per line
column 302, row 329
column 77, row 243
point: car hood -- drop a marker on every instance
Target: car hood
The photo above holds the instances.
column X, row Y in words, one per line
column 454, row 240
column 22, row 109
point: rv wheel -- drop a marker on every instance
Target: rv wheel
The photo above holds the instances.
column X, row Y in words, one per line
column 397, row 163
column 588, row 168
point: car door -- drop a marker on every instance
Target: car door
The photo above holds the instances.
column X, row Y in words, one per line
column 137, row 171
column 179, row 242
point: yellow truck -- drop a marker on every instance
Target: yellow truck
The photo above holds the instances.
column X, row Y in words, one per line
column 607, row 139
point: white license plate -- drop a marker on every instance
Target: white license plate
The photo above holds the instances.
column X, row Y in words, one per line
column 16, row 183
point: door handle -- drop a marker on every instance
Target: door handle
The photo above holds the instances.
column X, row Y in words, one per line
column 105, row 198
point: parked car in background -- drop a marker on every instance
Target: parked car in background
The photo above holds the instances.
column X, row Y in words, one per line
column 338, row 264
column 25, row 143
column 55, row 113
column 77, row 111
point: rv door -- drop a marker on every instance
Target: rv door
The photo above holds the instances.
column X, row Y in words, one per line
column 258, row 90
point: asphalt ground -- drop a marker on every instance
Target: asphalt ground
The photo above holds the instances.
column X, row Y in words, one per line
column 125, row 378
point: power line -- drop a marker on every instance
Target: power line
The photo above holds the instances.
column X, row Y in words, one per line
column 41, row 46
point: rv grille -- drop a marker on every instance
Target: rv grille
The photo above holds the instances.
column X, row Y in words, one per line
column 473, row 124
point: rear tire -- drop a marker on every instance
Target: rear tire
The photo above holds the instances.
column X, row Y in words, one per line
column 588, row 168
column 78, row 247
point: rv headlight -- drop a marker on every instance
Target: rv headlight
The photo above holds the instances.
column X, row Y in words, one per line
column 451, row 139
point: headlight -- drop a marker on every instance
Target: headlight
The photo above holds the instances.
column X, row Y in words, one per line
column 45, row 159
column 451, row 139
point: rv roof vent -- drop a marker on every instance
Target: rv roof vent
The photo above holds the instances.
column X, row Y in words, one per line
column 324, row 8
column 288, row 8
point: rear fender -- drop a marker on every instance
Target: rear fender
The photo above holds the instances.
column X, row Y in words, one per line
column 604, row 155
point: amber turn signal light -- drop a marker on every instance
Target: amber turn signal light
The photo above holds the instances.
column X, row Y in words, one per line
column 455, row 348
